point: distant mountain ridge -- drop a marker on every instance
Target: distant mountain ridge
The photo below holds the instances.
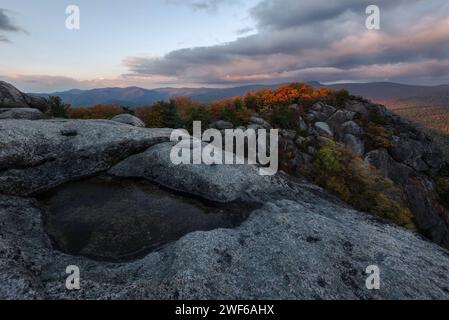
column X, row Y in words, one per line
column 399, row 95
column 131, row 96
column 135, row 97
column 389, row 93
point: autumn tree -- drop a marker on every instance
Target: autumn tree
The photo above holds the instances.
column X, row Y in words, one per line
column 152, row 116
column 100, row 111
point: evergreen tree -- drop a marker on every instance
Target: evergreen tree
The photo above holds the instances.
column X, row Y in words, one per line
column 170, row 115
column 58, row 109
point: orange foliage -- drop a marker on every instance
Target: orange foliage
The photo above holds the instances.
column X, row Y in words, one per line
column 297, row 93
column 271, row 104
column 100, row 111
column 184, row 105
column 152, row 116
column 217, row 108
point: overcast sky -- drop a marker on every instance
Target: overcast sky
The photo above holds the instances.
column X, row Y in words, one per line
column 154, row 43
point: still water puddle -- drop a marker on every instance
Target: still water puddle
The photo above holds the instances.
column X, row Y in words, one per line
column 123, row 219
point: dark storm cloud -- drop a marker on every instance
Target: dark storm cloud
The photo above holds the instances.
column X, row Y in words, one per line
column 7, row 25
column 203, row 4
column 292, row 13
column 317, row 39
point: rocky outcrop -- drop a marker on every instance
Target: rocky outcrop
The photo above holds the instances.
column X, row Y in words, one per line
column 320, row 112
column 222, row 125
column 399, row 149
column 11, row 97
column 380, row 159
column 21, row 113
column 301, row 244
column 38, row 155
column 257, row 121
column 430, row 215
column 129, row 119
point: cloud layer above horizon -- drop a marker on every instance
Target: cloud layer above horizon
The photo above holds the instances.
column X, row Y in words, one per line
column 319, row 40
column 269, row 41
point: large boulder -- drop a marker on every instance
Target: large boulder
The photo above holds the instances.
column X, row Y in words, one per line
column 431, row 217
column 414, row 153
column 129, row 119
column 220, row 183
column 358, row 107
column 406, row 150
column 37, row 155
column 21, row 113
column 302, row 125
column 322, row 111
column 261, row 122
column 397, row 172
column 323, row 129
column 11, row 97
column 350, row 127
column 222, row 125
column 354, row 144
column 338, row 118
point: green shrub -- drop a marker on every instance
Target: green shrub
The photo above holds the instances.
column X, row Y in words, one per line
column 357, row 183
column 329, row 158
column 339, row 98
column 57, row 109
column 376, row 116
column 283, row 118
column 378, row 137
column 238, row 104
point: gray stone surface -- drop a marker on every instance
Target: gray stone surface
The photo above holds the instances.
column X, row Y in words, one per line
column 21, row 113
column 222, row 125
column 323, row 129
column 129, row 119
column 221, row 183
column 320, row 112
column 350, row 127
column 337, row 120
column 37, row 155
column 302, row 125
column 430, row 216
column 354, row 144
column 11, row 97
column 261, row 122
column 397, row 172
column 299, row 249
column 357, row 107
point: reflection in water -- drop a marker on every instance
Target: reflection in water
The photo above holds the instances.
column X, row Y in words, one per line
column 122, row 219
